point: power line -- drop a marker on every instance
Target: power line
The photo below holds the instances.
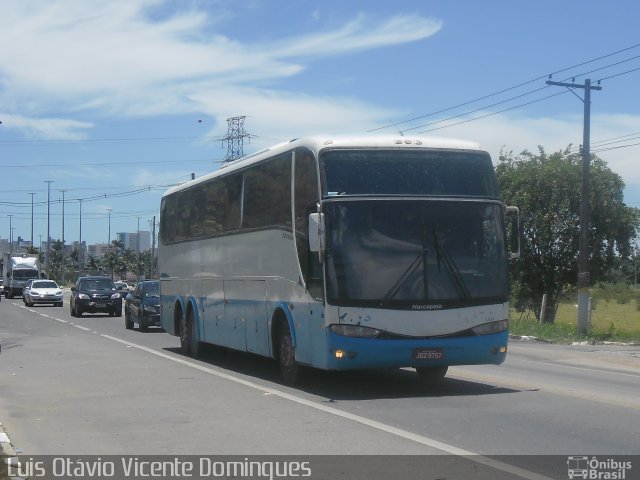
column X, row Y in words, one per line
column 508, row 89
column 476, row 110
column 97, row 164
column 505, row 101
column 596, row 150
column 619, row 74
column 113, row 140
column 491, row 114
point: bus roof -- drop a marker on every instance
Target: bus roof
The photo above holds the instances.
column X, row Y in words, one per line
column 318, row 142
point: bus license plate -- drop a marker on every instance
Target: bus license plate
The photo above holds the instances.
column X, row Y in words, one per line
column 428, row 354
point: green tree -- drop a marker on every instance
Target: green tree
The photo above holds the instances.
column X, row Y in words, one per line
column 546, row 188
column 94, row 264
column 55, row 262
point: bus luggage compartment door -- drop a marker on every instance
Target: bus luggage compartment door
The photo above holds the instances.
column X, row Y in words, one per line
column 246, row 315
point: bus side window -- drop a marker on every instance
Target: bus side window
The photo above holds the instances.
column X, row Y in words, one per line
column 232, row 201
column 306, row 197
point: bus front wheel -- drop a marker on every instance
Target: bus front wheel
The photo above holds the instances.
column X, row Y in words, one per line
column 287, row 355
column 431, row 376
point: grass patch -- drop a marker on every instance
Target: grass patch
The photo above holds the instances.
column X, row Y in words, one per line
column 611, row 320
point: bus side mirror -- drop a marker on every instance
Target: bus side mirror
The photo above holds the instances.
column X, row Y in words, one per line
column 316, row 232
column 513, row 217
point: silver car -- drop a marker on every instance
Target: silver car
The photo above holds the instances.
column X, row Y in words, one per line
column 42, row 291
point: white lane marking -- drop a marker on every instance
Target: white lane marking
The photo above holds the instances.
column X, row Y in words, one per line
column 59, row 320
column 614, row 372
column 429, row 442
column 566, row 390
column 83, row 328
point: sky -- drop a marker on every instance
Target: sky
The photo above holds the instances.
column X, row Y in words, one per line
column 114, row 101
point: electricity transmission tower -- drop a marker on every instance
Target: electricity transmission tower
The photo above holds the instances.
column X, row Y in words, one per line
column 235, row 138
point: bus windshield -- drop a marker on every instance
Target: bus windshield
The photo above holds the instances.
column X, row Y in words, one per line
column 408, row 172
column 415, row 254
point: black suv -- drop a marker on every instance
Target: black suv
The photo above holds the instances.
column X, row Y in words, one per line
column 93, row 295
column 142, row 306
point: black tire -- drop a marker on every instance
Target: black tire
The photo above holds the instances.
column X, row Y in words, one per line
column 128, row 324
column 72, row 312
column 78, row 312
column 61, row 304
column 430, row 376
column 142, row 325
column 289, row 369
column 117, row 313
column 188, row 341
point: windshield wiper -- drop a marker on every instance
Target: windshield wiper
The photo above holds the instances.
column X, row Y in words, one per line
column 422, row 256
column 451, row 267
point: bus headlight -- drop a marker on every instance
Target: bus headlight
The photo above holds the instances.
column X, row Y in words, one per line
column 491, row 327
column 354, row 331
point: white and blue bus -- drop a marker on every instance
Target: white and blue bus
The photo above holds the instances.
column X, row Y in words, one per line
column 341, row 253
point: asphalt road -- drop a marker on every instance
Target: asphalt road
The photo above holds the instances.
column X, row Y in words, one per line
column 90, row 387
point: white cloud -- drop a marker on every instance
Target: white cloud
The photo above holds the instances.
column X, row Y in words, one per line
column 109, row 57
column 360, row 34
column 297, row 114
column 47, row 128
column 517, row 134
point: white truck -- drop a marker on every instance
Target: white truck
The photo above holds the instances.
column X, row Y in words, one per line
column 16, row 270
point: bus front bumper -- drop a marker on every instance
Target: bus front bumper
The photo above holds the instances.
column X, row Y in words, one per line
column 350, row 353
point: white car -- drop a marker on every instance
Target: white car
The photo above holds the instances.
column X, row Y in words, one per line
column 123, row 288
column 42, row 291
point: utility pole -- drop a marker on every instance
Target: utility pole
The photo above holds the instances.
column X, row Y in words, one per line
column 585, row 207
column 235, row 138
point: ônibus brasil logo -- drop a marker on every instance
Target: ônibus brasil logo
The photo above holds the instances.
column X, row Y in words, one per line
column 597, row 469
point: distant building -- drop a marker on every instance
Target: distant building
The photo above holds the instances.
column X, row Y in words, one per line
column 98, row 250
column 137, row 241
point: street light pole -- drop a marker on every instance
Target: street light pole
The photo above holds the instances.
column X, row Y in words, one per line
column 48, row 256
column 32, row 194
column 138, row 250
column 109, row 241
column 80, row 268
column 62, row 263
column 10, row 236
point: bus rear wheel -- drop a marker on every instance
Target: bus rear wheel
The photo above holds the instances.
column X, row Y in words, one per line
column 188, row 341
column 289, row 369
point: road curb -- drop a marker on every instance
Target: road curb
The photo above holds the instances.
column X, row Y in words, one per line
column 6, row 449
column 8, row 456
column 529, row 338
